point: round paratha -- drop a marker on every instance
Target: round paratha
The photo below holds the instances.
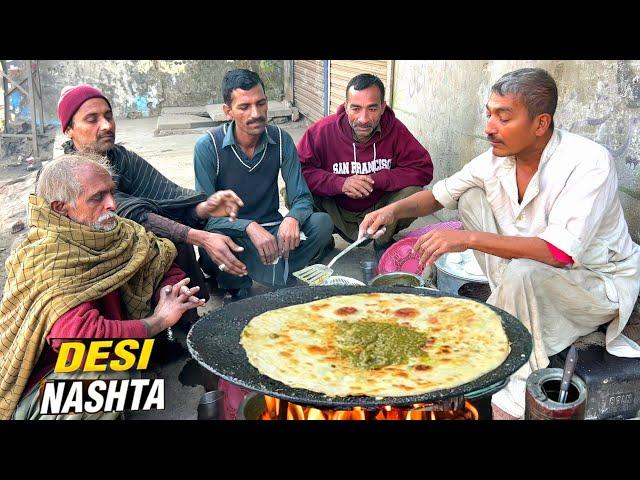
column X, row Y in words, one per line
column 377, row 344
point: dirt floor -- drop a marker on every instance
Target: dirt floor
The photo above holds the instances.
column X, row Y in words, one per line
column 18, row 170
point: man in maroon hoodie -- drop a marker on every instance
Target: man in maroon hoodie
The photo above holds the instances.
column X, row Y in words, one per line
column 361, row 159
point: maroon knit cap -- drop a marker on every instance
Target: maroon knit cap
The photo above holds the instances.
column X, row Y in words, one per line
column 72, row 98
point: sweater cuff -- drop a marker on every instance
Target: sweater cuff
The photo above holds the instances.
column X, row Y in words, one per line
column 166, row 228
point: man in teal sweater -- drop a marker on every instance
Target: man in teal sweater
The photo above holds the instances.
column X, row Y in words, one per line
column 245, row 156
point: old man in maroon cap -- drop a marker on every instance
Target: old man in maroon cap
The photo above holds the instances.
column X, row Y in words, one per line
column 145, row 195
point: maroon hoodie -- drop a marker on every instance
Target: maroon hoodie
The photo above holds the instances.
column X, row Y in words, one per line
column 392, row 157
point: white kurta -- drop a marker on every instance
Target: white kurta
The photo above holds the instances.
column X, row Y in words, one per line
column 571, row 202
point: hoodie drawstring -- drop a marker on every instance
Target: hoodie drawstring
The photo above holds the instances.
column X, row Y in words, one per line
column 375, row 155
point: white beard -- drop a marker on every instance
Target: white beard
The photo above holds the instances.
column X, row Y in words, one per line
column 106, row 222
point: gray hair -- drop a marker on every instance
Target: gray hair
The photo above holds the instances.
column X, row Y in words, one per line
column 58, row 179
column 535, row 87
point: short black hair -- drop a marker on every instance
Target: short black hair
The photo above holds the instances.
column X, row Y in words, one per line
column 365, row 80
column 239, row 78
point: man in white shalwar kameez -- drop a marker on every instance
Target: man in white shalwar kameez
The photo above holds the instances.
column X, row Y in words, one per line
column 542, row 213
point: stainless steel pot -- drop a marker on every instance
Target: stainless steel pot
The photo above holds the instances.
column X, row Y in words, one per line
column 450, row 280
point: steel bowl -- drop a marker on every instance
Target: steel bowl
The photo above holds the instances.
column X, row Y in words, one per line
column 397, row 279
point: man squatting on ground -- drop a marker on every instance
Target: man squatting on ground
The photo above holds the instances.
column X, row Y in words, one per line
column 81, row 272
column 542, row 212
column 245, row 155
column 361, row 159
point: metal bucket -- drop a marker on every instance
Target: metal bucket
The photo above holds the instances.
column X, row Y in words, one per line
column 543, row 388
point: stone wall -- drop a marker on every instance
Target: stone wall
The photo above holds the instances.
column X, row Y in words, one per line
column 442, row 103
column 141, row 87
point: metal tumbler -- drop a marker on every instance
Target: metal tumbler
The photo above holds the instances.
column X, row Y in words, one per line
column 368, row 270
column 211, row 405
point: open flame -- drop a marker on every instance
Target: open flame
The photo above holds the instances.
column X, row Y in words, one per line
column 419, row 411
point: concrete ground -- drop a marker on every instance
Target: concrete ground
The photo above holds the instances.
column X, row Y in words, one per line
column 185, row 381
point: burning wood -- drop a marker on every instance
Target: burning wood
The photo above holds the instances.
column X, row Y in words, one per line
column 417, row 412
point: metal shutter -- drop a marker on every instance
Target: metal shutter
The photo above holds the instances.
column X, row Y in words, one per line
column 308, row 87
column 341, row 71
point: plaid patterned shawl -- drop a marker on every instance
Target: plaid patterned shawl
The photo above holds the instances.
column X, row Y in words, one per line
column 60, row 265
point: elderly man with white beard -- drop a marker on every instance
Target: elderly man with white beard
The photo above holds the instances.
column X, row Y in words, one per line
column 81, row 273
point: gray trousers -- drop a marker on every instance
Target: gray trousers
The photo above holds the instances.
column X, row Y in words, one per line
column 317, row 228
column 347, row 222
column 556, row 305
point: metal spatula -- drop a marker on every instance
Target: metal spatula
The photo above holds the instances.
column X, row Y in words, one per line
column 318, row 273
